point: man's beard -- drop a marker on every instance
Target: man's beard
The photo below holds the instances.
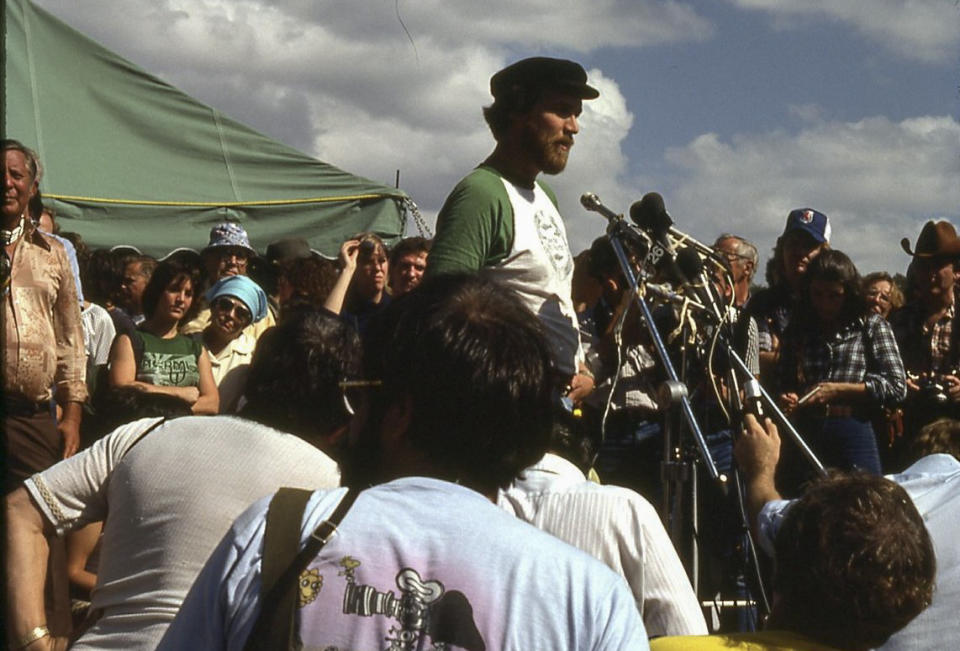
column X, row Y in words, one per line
column 549, row 156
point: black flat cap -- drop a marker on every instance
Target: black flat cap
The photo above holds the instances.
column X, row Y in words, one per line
column 544, row 73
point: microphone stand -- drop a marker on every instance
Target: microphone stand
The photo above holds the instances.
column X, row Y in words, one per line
column 672, row 396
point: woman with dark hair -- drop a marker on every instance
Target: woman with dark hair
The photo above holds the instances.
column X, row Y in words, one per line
column 156, row 357
column 839, row 365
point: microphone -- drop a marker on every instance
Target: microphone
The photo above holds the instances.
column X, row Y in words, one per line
column 650, row 212
column 696, row 281
column 592, row 202
column 638, row 241
column 650, row 215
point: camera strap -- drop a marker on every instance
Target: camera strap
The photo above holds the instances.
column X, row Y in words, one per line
column 281, row 565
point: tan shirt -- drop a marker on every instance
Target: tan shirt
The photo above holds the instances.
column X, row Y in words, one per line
column 43, row 338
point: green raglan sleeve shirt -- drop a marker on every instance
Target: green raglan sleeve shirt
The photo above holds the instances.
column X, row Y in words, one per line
column 475, row 226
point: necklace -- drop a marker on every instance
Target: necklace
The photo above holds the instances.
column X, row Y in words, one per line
column 11, row 236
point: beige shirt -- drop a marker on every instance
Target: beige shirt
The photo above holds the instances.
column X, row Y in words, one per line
column 43, row 344
column 230, row 369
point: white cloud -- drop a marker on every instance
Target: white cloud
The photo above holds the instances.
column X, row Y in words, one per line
column 348, row 86
column 810, row 112
column 923, row 30
column 877, row 180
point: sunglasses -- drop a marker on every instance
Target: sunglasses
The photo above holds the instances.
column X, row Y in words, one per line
column 231, row 306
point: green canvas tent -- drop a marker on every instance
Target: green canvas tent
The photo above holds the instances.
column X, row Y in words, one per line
column 129, row 159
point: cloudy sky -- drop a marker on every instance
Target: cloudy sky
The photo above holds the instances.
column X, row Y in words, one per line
column 735, row 111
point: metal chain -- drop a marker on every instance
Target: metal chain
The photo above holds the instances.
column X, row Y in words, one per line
column 411, row 208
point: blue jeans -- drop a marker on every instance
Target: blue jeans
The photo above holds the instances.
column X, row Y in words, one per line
column 843, row 443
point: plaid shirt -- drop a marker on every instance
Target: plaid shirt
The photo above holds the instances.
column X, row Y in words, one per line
column 925, row 348
column 864, row 350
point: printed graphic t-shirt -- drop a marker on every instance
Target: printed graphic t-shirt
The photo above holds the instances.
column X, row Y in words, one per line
column 417, row 563
column 169, row 362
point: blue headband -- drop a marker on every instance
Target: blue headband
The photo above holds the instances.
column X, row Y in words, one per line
column 244, row 289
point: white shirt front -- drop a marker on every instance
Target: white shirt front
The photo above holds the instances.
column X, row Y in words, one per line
column 617, row 526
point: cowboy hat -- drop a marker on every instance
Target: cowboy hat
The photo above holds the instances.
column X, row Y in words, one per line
column 936, row 240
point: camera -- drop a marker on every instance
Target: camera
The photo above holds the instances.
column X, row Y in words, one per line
column 933, row 386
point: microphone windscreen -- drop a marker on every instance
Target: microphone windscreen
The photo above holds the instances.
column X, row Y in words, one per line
column 689, row 262
column 650, row 214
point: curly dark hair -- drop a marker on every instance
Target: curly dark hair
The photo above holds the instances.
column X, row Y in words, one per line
column 473, row 365
column 293, row 384
column 311, row 279
column 854, row 562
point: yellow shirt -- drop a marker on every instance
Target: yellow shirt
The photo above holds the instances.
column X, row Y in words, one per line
column 762, row 641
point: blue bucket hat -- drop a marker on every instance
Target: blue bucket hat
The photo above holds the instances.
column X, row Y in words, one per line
column 244, row 290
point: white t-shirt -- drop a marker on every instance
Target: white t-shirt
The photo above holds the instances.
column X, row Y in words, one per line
column 539, row 268
column 420, row 561
column 170, row 500
column 617, row 526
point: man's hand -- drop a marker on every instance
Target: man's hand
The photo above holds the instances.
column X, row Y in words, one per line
column 69, row 428
column 580, row 387
column 757, row 449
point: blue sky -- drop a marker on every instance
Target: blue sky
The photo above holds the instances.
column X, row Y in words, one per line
column 736, row 111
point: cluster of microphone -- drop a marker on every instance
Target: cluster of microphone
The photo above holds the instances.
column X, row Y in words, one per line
column 674, row 256
column 678, row 260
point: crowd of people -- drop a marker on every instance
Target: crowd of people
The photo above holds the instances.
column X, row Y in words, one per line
column 456, row 442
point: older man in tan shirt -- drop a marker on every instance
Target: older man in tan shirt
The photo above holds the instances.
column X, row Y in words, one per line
column 43, row 339
column 43, row 353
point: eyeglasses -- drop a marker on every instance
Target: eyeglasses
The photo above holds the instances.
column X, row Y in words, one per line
column 351, row 386
column 231, row 306
column 877, row 294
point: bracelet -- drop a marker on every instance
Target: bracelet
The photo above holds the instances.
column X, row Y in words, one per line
column 36, row 634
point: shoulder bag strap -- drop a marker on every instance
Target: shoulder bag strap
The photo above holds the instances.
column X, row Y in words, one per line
column 281, row 564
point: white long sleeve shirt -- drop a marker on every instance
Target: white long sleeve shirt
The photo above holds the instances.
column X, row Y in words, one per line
column 617, row 526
